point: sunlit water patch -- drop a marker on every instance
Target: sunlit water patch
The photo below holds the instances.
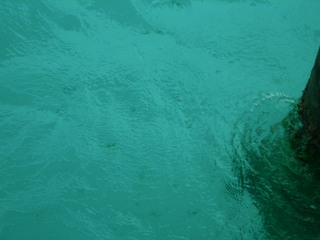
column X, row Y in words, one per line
column 283, row 187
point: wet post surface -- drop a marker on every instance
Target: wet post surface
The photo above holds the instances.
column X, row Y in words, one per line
column 309, row 107
column 307, row 138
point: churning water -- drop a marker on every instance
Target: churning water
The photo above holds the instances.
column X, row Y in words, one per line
column 160, row 119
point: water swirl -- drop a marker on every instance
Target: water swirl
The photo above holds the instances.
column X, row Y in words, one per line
column 284, row 189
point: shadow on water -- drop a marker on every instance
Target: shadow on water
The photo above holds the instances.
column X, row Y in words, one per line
column 285, row 189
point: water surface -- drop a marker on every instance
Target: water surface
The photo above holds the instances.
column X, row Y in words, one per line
column 154, row 119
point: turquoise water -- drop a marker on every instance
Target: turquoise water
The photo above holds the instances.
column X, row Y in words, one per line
column 154, row 119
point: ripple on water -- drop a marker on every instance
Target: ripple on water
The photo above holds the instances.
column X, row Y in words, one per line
column 284, row 189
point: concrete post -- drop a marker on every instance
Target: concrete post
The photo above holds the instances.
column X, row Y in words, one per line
column 309, row 110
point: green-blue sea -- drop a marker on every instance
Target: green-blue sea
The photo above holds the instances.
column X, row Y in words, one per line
column 154, row 119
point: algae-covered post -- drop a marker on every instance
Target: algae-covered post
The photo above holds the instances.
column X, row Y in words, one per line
column 309, row 108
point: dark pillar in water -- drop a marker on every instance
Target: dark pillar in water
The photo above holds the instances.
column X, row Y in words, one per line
column 309, row 111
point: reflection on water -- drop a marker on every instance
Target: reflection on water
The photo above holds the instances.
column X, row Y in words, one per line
column 284, row 189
